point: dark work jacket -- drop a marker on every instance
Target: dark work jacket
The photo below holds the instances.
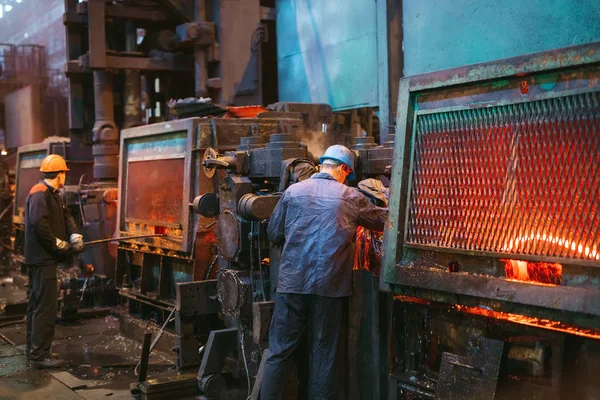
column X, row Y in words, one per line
column 316, row 221
column 46, row 218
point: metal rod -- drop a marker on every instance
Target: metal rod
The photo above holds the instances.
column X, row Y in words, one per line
column 6, row 210
column 210, row 267
column 124, row 238
column 145, row 356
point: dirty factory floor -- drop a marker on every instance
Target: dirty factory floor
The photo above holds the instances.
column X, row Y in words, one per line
column 99, row 360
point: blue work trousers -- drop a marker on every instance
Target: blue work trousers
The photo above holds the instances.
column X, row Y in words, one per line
column 293, row 314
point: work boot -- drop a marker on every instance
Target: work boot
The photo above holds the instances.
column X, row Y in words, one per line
column 46, row 363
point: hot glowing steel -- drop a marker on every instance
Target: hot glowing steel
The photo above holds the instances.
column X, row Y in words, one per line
column 514, row 318
column 531, row 321
column 527, row 271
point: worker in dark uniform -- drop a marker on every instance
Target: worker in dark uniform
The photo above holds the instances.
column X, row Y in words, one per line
column 315, row 221
column 51, row 237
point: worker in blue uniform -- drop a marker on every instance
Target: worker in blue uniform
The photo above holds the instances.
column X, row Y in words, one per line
column 315, row 221
column 51, row 237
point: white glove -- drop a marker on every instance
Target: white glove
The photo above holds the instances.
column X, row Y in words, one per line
column 77, row 242
column 76, row 239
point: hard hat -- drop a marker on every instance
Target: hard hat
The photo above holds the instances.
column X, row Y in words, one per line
column 53, row 163
column 342, row 154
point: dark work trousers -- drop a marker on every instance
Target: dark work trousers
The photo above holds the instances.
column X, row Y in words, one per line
column 292, row 315
column 41, row 311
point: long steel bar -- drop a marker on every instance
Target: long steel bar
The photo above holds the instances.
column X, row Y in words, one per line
column 123, row 238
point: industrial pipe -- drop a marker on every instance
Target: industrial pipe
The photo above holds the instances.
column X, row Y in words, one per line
column 105, row 134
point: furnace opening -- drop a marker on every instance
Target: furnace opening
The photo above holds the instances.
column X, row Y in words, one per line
column 529, row 271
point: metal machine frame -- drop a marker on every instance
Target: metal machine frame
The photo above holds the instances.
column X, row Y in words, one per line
column 524, row 67
column 423, row 278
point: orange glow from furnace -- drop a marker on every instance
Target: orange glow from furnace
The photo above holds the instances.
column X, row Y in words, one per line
column 542, row 323
column 531, row 321
column 529, row 271
column 584, row 251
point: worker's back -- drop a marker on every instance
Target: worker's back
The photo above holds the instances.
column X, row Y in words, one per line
column 318, row 219
column 44, row 222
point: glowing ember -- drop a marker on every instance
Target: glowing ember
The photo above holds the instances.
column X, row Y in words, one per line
column 160, row 230
column 531, row 321
column 527, row 271
column 410, row 299
column 368, row 250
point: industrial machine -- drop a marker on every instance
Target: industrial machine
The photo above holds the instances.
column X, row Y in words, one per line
column 491, row 249
column 249, row 183
column 161, row 182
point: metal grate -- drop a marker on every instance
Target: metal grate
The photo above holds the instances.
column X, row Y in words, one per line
column 521, row 179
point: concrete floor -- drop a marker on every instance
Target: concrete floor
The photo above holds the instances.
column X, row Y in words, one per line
column 96, row 355
column 99, row 360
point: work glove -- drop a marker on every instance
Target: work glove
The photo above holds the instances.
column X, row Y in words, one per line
column 62, row 246
column 77, row 244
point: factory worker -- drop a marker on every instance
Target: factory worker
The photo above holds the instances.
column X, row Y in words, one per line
column 51, row 237
column 315, row 221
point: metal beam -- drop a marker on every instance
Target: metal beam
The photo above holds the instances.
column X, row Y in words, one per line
column 182, row 8
column 83, row 66
column 122, row 12
column 97, row 33
column 563, row 298
column 545, row 61
column 76, row 109
column 383, row 76
column 73, row 18
column 147, row 64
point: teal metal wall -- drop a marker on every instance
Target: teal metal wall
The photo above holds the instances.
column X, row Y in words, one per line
column 327, row 52
column 327, row 49
column 442, row 34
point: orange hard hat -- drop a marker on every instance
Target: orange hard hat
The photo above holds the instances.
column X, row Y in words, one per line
column 53, row 163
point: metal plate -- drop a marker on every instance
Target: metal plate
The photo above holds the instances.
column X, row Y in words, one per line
column 520, row 179
column 233, row 291
column 155, row 191
column 228, row 235
column 473, row 377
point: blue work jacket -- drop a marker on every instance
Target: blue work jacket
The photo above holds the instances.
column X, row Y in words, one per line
column 316, row 222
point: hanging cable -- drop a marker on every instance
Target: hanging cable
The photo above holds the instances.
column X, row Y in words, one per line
column 251, row 237
column 242, row 340
column 80, row 202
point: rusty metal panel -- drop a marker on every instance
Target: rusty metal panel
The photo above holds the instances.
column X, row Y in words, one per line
column 521, row 179
column 172, row 140
column 154, row 196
